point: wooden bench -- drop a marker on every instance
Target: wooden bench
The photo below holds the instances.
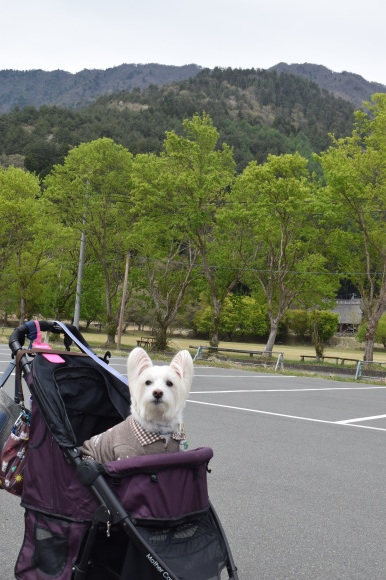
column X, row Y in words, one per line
column 267, row 357
column 322, row 358
column 238, row 350
column 146, row 341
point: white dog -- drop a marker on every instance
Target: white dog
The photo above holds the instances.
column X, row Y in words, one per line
column 158, row 397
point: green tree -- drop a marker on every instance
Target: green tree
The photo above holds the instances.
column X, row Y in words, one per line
column 355, row 173
column 92, row 304
column 240, row 315
column 318, row 325
column 56, row 297
column 165, row 255
column 323, row 325
column 91, row 191
column 179, row 193
column 380, row 335
column 200, row 176
column 270, row 218
column 28, row 240
column 297, row 322
column 254, row 319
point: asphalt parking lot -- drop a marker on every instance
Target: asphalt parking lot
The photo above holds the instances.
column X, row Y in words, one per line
column 298, row 473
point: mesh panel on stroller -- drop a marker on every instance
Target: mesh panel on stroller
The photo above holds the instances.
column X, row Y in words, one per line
column 142, row 518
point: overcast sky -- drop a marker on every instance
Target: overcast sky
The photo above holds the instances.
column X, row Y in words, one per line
column 71, row 35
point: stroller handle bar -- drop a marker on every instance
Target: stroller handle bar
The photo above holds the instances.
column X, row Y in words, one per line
column 18, row 336
column 28, row 330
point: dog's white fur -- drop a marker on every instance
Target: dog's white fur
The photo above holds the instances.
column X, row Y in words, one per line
column 159, row 393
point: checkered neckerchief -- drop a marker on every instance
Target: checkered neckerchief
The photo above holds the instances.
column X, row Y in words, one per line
column 146, row 437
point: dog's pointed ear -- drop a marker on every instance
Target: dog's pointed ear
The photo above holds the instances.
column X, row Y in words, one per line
column 182, row 364
column 137, row 362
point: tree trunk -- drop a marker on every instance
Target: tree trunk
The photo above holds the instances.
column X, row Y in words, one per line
column 22, row 311
column 319, row 349
column 214, row 339
column 161, row 338
column 372, row 312
column 369, row 341
column 111, row 330
column 318, row 343
column 272, row 337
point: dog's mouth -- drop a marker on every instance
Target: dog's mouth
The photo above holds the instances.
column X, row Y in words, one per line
column 157, row 401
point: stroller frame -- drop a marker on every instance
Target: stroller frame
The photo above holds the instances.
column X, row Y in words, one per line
column 108, row 512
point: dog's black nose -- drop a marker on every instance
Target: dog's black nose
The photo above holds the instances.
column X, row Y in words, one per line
column 157, row 394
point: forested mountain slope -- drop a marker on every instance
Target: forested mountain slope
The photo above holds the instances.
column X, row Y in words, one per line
column 38, row 87
column 256, row 112
column 346, row 85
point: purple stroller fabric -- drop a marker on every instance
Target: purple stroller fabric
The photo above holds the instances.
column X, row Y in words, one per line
column 166, row 486
column 59, row 507
column 143, row 484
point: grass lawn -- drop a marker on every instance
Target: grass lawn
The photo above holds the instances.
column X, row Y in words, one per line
column 342, row 347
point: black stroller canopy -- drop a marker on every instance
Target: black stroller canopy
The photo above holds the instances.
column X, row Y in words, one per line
column 76, row 395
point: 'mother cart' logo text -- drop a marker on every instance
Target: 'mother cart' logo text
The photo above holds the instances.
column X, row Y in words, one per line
column 154, row 563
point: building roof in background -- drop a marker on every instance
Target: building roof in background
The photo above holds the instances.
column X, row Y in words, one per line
column 349, row 311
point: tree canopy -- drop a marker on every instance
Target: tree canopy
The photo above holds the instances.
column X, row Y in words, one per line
column 271, row 216
column 182, row 231
column 91, row 193
column 355, row 172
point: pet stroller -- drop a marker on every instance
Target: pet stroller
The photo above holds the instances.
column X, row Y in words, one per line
column 138, row 518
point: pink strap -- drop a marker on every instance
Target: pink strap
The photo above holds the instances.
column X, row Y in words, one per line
column 38, row 339
column 37, row 343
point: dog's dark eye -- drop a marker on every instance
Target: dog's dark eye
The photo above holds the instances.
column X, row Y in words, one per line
column 169, row 383
column 148, row 383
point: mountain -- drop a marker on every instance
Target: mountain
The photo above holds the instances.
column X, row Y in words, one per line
column 64, row 89
column 38, row 87
column 256, row 112
column 349, row 86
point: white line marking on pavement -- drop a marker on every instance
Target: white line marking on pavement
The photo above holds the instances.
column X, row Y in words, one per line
column 287, row 390
column 251, row 376
column 359, row 419
column 243, row 391
column 286, row 416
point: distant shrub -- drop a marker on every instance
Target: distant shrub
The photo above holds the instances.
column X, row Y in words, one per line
column 319, row 325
